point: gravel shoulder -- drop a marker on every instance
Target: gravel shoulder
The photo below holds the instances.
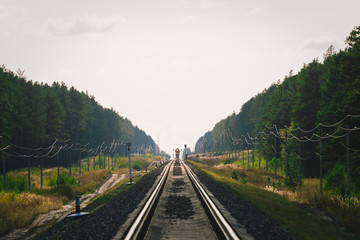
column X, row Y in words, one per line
column 105, row 222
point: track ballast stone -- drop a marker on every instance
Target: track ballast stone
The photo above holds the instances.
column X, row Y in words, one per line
column 256, row 223
column 177, row 186
column 177, row 171
column 179, row 207
column 105, row 222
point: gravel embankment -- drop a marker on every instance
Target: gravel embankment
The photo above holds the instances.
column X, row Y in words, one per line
column 256, row 223
column 105, row 222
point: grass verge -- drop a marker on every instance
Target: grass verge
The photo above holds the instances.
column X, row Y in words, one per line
column 302, row 223
column 19, row 207
column 18, row 210
column 107, row 196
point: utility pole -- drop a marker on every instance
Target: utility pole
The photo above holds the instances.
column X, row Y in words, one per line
column 3, row 162
column 286, row 156
column 348, row 159
column 299, row 160
column 275, row 155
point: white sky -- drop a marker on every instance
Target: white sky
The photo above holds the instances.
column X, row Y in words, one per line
column 173, row 67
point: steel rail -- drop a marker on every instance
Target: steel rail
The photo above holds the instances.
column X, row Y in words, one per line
column 222, row 223
column 137, row 226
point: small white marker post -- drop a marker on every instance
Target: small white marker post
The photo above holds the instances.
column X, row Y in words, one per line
column 129, row 151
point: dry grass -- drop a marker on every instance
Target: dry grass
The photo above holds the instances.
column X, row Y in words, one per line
column 89, row 181
column 329, row 208
column 18, row 210
column 344, row 210
column 256, row 177
column 297, row 218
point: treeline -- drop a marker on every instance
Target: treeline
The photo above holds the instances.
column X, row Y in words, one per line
column 321, row 93
column 33, row 115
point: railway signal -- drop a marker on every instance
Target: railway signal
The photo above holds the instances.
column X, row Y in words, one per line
column 129, row 151
column 185, row 152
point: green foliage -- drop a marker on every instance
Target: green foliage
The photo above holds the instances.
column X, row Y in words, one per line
column 290, row 183
column 63, row 178
column 35, row 114
column 234, row 175
column 64, row 190
column 123, row 163
column 243, row 179
column 253, row 156
column 136, row 165
column 321, row 92
column 15, row 182
column 336, row 180
column 227, row 161
column 218, row 154
column 268, row 179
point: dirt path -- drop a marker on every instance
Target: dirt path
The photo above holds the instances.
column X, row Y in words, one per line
column 43, row 221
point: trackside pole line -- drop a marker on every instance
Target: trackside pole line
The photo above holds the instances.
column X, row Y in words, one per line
column 134, row 227
column 229, row 229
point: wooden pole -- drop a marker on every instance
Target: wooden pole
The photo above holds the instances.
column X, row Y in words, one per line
column 286, row 156
column 3, row 164
column 259, row 152
column 275, row 164
column 29, row 180
column 79, row 162
column 88, row 162
column 248, row 157
column 243, row 158
column 259, row 158
column 321, row 173
column 58, row 167
column 348, row 160
column 299, row 161
column 70, row 162
column 94, row 161
column 41, row 172
column 253, row 157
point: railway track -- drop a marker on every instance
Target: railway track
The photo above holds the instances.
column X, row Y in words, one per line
column 180, row 208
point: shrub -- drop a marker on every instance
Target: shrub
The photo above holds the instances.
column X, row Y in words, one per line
column 123, row 163
column 136, row 165
column 336, row 180
column 64, row 190
column 217, row 154
column 63, row 178
column 17, row 182
column 227, row 161
column 243, row 179
column 234, row 175
column 290, row 183
column 268, row 179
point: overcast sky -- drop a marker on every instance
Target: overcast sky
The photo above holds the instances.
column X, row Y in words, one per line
column 173, row 67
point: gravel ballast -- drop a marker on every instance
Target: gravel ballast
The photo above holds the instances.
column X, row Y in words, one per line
column 256, row 223
column 105, row 222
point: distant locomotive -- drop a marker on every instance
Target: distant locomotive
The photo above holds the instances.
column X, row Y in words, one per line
column 177, row 153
